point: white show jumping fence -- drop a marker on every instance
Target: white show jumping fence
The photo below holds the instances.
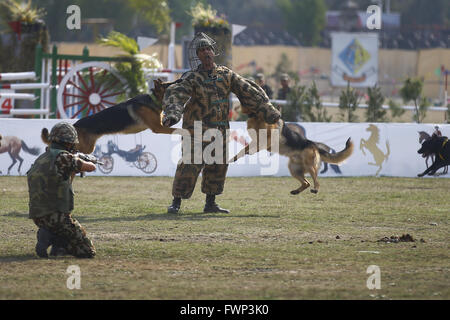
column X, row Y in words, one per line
column 8, row 95
column 7, row 92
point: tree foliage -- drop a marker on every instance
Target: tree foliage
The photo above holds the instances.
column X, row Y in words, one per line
column 375, row 112
column 305, row 19
column 155, row 12
column 304, row 104
column 395, row 109
column 292, row 110
column 179, row 12
column 448, row 113
column 348, row 104
column 312, row 109
column 412, row 91
column 132, row 70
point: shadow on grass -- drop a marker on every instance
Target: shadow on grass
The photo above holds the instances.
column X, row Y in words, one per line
column 19, row 258
column 183, row 216
column 16, row 214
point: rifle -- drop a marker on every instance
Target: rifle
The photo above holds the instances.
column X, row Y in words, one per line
column 88, row 158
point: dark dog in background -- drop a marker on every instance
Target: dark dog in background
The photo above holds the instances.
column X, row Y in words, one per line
column 132, row 116
column 440, row 148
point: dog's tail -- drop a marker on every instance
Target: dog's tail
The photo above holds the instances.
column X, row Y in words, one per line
column 337, row 157
column 44, row 136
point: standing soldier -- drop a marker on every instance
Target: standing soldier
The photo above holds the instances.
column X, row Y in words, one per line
column 285, row 89
column 205, row 90
column 261, row 81
column 51, row 196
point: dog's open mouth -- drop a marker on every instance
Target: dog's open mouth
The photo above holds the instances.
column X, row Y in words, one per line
column 423, row 153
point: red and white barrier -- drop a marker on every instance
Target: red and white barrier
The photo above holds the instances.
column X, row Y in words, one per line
column 8, row 94
column 24, row 86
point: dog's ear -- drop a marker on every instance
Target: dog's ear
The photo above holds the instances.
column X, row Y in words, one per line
column 157, row 83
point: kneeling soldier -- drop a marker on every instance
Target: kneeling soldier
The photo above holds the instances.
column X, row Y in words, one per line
column 51, row 196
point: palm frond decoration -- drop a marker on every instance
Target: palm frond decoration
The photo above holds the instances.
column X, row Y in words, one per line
column 132, row 69
column 120, row 41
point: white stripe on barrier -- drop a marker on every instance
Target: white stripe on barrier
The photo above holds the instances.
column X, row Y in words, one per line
column 166, row 70
column 20, row 96
column 17, row 76
column 29, row 111
column 25, row 86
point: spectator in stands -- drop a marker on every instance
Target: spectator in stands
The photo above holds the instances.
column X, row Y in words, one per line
column 260, row 80
column 284, row 90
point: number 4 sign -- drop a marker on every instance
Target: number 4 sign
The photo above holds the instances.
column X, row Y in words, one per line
column 6, row 104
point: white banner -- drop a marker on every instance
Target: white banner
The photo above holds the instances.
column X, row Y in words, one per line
column 381, row 149
column 354, row 59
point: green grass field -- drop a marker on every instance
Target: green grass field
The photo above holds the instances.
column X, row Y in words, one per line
column 271, row 246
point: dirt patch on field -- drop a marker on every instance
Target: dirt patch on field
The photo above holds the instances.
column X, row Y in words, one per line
column 395, row 239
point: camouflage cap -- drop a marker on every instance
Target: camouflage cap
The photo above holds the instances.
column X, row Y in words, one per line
column 63, row 132
column 284, row 76
column 202, row 43
column 260, row 76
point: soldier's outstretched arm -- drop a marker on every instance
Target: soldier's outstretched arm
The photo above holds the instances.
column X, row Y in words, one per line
column 175, row 97
column 87, row 166
column 254, row 98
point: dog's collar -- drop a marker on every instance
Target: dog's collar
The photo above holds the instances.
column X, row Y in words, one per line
column 443, row 145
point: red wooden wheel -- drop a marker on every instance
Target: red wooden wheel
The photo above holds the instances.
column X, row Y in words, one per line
column 84, row 90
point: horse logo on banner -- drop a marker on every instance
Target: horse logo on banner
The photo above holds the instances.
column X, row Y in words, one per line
column 13, row 145
column 371, row 144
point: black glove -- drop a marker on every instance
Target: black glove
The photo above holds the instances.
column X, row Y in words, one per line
column 169, row 121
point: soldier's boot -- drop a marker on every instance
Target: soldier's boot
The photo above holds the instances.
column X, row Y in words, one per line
column 175, row 206
column 59, row 245
column 44, row 240
column 212, row 207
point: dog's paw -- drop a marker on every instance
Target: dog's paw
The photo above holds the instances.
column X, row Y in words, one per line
column 295, row 192
column 420, row 175
column 314, row 191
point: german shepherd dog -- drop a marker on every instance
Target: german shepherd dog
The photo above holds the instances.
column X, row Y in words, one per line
column 440, row 148
column 305, row 156
column 132, row 116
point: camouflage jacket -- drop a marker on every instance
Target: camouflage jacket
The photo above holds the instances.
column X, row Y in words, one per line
column 49, row 182
column 207, row 93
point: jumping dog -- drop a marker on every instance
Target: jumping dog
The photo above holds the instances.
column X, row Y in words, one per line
column 132, row 116
column 304, row 155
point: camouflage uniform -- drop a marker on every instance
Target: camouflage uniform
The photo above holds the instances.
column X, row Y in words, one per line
column 208, row 92
column 51, row 199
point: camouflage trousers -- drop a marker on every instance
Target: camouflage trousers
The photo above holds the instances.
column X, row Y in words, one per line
column 213, row 179
column 66, row 227
column 213, row 175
